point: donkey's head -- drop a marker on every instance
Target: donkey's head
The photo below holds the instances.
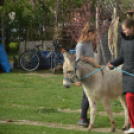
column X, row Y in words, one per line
column 68, row 70
column 84, row 66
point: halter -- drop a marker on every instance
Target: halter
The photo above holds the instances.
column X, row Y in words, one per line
column 75, row 76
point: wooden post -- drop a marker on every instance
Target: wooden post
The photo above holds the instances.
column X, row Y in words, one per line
column 102, row 49
column 56, row 18
column 3, row 30
column 57, row 11
column 97, row 55
column 116, row 41
column 103, row 53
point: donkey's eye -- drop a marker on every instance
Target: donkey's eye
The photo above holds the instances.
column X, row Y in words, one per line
column 68, row 72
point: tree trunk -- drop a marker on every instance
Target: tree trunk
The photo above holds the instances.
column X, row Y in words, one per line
column 3, row 30
column 97, row 55
column 116, row 41
column 59, row 11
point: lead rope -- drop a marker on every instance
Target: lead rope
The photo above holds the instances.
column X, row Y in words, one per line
column 124, row 71
column 95, row 72
column 86, row 75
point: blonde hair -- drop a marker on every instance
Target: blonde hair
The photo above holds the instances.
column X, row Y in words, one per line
column 85, row 32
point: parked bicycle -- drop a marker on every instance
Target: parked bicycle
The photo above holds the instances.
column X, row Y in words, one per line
column 30, row 60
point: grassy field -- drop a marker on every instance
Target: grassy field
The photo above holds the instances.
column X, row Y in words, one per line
column 37, row 103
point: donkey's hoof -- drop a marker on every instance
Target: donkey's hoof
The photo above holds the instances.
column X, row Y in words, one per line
column 113, row 130
column 90, row 127
column 124, row 128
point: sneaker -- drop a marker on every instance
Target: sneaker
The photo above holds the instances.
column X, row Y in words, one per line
column 83, row 122
column 129, row 131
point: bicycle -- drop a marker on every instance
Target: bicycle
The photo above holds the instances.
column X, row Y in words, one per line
column 30, row 60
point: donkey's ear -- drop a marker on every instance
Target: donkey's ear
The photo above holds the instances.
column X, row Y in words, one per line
column 64, row 54
column 63, row 50
column 66, row 57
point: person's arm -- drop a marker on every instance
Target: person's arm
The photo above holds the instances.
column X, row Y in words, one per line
column 79, row 50
column 118, row 61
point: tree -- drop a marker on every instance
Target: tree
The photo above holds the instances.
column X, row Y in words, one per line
column 86, row 13
column 30, row 20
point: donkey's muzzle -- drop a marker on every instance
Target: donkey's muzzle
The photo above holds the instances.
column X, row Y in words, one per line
column 66, row 84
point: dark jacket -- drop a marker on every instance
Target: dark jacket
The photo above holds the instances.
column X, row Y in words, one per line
column 127, row 57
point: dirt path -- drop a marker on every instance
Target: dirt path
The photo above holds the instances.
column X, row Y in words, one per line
column 60, row 125
column 103, row 113
column 67, row 126
column 43, row 75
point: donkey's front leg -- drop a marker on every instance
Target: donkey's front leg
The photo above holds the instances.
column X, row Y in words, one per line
column 108, row 108
column 124, row 104
column 93, row 106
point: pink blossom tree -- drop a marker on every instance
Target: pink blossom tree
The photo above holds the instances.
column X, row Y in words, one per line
column 79, row 16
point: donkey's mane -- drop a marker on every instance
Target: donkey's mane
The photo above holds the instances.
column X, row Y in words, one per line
column 86, row 60
column 89, row 60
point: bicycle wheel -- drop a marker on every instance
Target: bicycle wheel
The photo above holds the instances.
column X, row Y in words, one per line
column 29, row 60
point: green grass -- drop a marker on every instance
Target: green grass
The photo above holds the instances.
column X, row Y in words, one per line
column 38, row 91
column 36, row 98
column 29, row 129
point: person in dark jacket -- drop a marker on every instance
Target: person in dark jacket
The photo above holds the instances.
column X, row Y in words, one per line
column 126, row 58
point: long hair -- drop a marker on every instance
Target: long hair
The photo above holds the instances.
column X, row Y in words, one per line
column 85, row 32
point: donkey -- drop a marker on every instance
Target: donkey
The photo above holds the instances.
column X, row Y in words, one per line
column 103, row 85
